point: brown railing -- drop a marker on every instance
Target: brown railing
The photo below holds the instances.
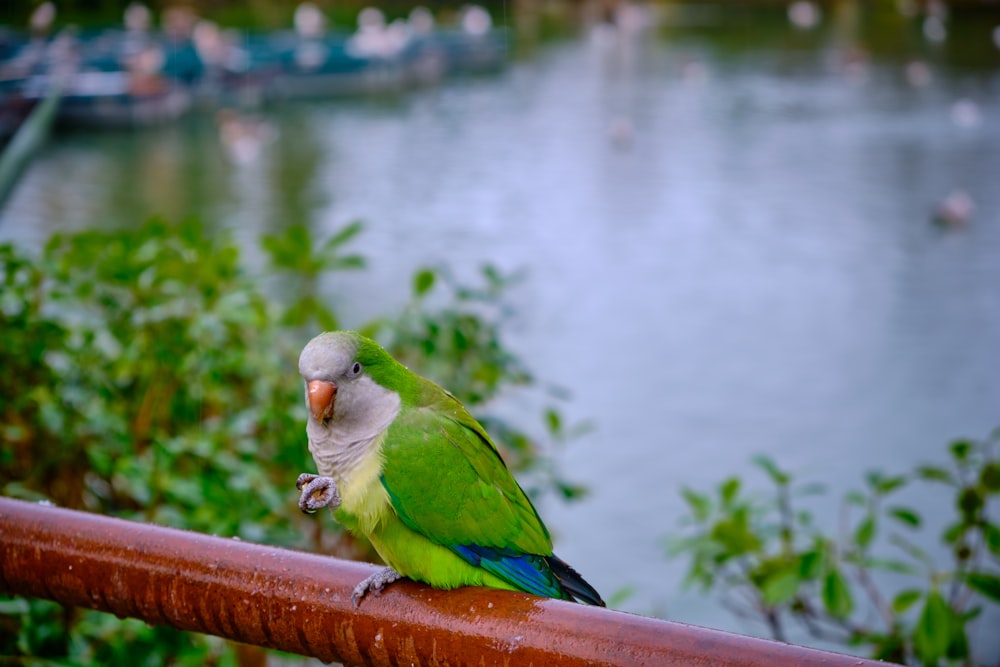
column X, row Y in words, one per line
column 301, row 602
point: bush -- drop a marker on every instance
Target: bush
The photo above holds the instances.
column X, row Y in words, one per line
column 773, row 564
column 147, row 376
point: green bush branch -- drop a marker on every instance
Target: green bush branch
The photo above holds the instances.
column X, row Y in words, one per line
column 773, row 564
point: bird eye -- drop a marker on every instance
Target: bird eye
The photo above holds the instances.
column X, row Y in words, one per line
column 355, row 370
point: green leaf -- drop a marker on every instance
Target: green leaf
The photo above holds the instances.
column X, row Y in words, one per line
column 865, row 532
column 346, row 263
column 958, row 644
column 970, row 501
column 571, row 491
column 700, row 505
column 734, row 534
column 728, row 489
column 881, row 484
column 988, row 585
column 345, row 234
column 905, row 599
column 935, row 474
column 989, row 478
column 905, row 515
column 553, row 421
column 493, row 275
column 290, row 249
column 954, row 531
column 811, row 564
column 836, row 595
column 991, row 535
column 960, row 449
column 932, row 634
column 890, row 565
column 423, row 281
column 856, row 498
column 781, row 586
column 766, row 464
column 887, row 485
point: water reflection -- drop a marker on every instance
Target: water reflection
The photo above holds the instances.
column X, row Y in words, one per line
column 728, row 235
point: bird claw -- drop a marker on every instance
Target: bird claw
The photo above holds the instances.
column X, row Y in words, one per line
column 317, row 492
column 375, row 583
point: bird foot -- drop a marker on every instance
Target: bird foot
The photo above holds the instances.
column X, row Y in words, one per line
column 375, row 583
column 317, row 492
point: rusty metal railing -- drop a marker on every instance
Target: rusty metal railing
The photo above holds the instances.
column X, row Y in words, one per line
column 301, row 603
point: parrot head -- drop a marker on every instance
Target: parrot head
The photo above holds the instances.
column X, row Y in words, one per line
column 348, row 380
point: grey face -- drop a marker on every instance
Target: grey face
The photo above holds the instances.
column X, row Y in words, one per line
column 328, row 356
column 349, row 411
column 341, row 397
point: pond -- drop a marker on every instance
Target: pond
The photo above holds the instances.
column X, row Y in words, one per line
column 726, row 231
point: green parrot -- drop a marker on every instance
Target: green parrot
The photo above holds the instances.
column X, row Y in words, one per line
column 403, row 463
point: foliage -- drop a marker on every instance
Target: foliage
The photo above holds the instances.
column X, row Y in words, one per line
column 293, row 253
column 458, row 345
column 149, row 395
column 147, row 376
column 772, row 563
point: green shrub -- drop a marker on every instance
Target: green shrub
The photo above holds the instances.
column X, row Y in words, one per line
column 772, row 563
column 147, row 376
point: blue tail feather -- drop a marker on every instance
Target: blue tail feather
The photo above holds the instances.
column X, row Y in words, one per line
column 528, row 572
column 549, row 576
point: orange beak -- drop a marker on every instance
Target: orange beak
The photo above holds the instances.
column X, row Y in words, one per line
column 322, row 396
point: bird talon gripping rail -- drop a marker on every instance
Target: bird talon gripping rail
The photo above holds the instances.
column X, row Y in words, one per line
column 301, row 603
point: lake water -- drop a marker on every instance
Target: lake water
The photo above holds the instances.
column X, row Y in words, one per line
column 726, row 253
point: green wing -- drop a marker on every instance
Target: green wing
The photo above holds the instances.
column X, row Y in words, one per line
column 447, row 481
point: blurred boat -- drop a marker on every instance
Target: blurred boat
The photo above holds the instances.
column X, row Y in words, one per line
column 335, row 66
column 380, row 57
column 98, row 99
column 329, row 67
column 104, row 84
column 136, row 76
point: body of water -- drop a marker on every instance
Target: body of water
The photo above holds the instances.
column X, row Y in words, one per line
column 726, row 253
